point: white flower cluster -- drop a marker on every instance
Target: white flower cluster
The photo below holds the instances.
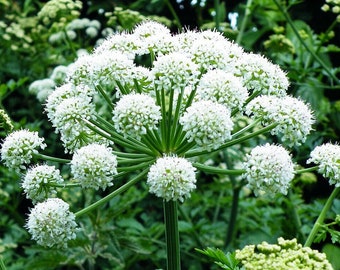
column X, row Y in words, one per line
column 42, row 88
column 19, row 147
column 134, row 114
column 172, row 178
column 293, row 116
column 36, row 182
column 327, row 156
column 51, row 223
column 269, row 169
column 207, row 123
column 94, row 166
column 222, row 87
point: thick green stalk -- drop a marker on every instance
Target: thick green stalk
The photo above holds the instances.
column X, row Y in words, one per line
column 214, row 170
column 172, row 235
column 54, row 159
column 113, row 194
column 321, row 217
column 173, row 13
column 233, row 214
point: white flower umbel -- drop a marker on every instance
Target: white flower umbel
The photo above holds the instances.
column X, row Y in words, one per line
column 222, row 87
column 269, row 169
column 51, row 223
column 134, row 114
column 19, row 147
column 68, row 121
column 327, row 156
column 172, row 178
column 154, row 37
column 42, row 88
column 36, row 182
column 293, row 116
column 174, row 71
column 94, row 166
column 104, row 68
column 260, row 75
column 207, row 123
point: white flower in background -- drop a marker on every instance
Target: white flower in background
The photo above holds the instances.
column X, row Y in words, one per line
column 259, row 74
column 293, row 116
column 222, row 87
column 172, row 178
column 94, row 166
column 327, row 156
column 19, row 147
column 59, row 74
column 134, row 114
column 36, row 182
column 174, row 71
column 51, row 223
column 42, row 88
column 269, row 169
column 207, row 123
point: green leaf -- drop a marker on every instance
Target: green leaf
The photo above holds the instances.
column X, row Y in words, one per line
column 224, row 260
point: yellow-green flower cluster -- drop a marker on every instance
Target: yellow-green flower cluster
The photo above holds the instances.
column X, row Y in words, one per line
column 286, row 255
column 60, row 10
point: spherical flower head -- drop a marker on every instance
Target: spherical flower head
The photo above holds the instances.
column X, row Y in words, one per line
column 293, row 116
column 327, row 156
column 285, row 255
column 63, row 92
column 207, row 123
column 125, row 43
column 154, row 37
column 222, row 87
column 135, row 114
column 19, row 147
column 94, row 166
column 211, row 54
column 106, row 68
column 260, row 75
column 36, row 182
column 172, row 178
column 174, row 71
column 51, row 223
column 269, row 169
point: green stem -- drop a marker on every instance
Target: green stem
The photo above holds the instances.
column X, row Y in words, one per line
column 217, row 14
column 70, row 185
column 244, row 22
column 214, row 170
column 321, row 217
column 233, row 215
column 293, row 213
column 304, row 44
column 54, row 159
column 311, row 169
column 105, row 96
column 172, row 235
column 135, row 167
column 174, row 14
column 112, row 194
column 2, row 264
column 197, row 152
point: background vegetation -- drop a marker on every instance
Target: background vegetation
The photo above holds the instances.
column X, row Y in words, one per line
column 302, row 37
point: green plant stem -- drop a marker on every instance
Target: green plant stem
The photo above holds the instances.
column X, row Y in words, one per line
column 100, row 89
column 172, row 235
column 2, row 264
column 217, row 14
column 321, row 217
column 293, row 213
column 54, row 159
column 214, row 170
column 233, row 214
column 244, row 22
column 304, row 44
column 311, row 169
column 113, row 194
column 197, row 152
column 174, row 14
